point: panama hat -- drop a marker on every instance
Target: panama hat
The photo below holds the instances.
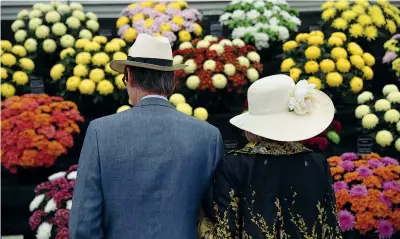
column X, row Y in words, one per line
column 281, row 110
column 148, row 52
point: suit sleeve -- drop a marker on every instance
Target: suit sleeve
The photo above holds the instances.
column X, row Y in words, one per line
column 86, row 212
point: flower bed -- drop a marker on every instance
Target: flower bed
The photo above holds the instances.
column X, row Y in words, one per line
column 361, row 19
column 173, row 20
column 261, row 23
column 324, row 140
column 367, row 192
column 381, row 118
column 16, row 70
column 334, row 64
column 84, row 71
column 36, row 129
column 52, row 204
column 392, row 48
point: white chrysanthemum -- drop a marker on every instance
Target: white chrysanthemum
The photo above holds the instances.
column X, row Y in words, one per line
column 218, row 48
column 389, row 88
column 252, row 15
column 259, row 4
column 210, row 38
column 225, row 42
column 35, row 14
column 16, row 25
column 238, row 42
column 384, row 138
column 365, row 97
column 72, row 175
column 59, row 29
column 34, row 23
column 23, row 13
column 193, row 82
column 79, row 14
column 50, row 206
column 229, row 69
column 67, row 41
column 53, row 17
column 30, row 45
column 76, row 6
column 392, row 116
column 209, row 65
column 362, row 110
column 57, row 176
column 261, row 40
column 252, row 74
column 91, row 16
column 20, row 35
column 185, row 45
column 223, row 19
column 93, row 25
column 239, row 15
column 85, row 33
column 49, row 45
column 203, row 44
column 46, row 8
column 69, row 204
column 369, row 121
column 283, row 33
column 42, row 32
column 243, row 61
column 394, row 97
column 253, row 56
column 73, row 22
column 178, row 59
column 382, row 105
column 44, row 231
column 36, row 202
column 219, row 81
column 64, row 8
column 191, row 66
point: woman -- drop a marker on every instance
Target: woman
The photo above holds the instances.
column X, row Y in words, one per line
column 275, row 187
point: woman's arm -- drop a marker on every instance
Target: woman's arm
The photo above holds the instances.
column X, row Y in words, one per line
column 221, row 205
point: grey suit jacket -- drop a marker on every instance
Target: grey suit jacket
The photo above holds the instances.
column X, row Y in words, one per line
column 143, row 173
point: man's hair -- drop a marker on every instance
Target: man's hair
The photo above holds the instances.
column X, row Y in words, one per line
column 160, row 82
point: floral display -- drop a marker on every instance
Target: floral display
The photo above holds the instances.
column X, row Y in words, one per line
column 392, row 48
column 361, row 18
column 85, row 70
column 329, row 136
column 380, row 118
column 16, row 69
column 52, row 204
column 217, row 65
column 367, row 190
column 332, row 62
column 48, row 28
column 173, row 20
column 36, row 129
column 260, row 22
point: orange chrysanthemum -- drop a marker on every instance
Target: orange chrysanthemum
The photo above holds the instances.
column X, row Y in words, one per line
column 372, row 182
column 336, row 170
column 334, row 161
column 365, row 222
column 352, row 176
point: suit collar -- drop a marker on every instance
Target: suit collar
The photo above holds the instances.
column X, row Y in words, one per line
column 154, row 101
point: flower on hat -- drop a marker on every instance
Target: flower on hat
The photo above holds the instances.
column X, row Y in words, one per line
column 302, row 98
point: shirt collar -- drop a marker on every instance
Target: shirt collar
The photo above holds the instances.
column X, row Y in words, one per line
column 154, row 96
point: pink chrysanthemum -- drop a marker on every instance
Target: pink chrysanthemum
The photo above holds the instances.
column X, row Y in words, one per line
column 337, row 186
column 349, row 156
column 375, row 163
column 385, row 229
column 347, row 165
column 390, row 161
column 391, row 185
column 346, row 220
column 364, row 171
column 386, row 200
column 359, row 190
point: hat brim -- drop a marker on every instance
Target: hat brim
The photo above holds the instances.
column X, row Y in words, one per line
column 289, row 126
column 119, row 66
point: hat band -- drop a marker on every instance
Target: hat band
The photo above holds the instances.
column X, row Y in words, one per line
column 153, row 61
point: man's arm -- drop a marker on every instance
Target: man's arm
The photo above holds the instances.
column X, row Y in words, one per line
column 86, row 214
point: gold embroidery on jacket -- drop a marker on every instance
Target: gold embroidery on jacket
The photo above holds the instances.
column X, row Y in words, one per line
column 273, row 148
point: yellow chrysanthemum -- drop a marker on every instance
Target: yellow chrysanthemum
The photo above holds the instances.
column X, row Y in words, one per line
column 120, row 56
column 311, row 67
column 119, row 82
column 358, row 9
column 147, row 4
column 287, row 64
column 57, row 72
column 121, row 42
column 87, row 87
column 5, row 45
column 19, row 50
column 302, row 37
column 96, row 75
column 80, row 71
column 110, row 71
column 316, row 81
column 364, row 20
column 334, row 79
column 357, row 61
column 343, row 65
column 335, row 41
column 369, row 59
column 368, row 73
column 130, row 34
column 315, row 40
column 356, row 84
column 339, row 23
column 112, row 47
column 355, row 49
column 122, row 21
column 356, row 30
column 27, row 64
column 363, row 3
column 327, row 4
column 349, row 15
column 80, row 43
column 198, row 30
column 174, row 5
column 148, row 22
column 327, row 65
column 138, row 17
column 69, row 51
column 73, row 83
column 105, row 87
column 20, row 78
column 83, row 58
column 343, row 4
column 100, row 39
column 378, row 20
column 184, row 36
column 165, row 27
column 371, row 33
column 338, row 53
column 92, row 46
column 391, row 26
column 295, row 73
column 100, row 59
column 8, row 59
column 4, row 74
column 328, row 14
column 312, row 52
column 160, row 7
column 7, row 90
column 289, row 45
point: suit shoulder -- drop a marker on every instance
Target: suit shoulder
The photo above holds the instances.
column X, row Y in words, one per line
column 109, row 120
column 201, row 125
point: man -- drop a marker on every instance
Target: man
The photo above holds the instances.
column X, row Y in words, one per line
column 143, row 172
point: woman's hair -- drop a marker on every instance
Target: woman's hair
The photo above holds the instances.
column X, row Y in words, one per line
column 253, row 138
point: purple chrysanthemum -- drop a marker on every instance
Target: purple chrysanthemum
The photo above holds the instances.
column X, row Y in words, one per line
column 347, row 165
column 396, row 37
column 349, row 156
column 364, row 171
column 375, row 163
column 340, row 185
column 359, row 190
column 390, row 161
column 391, row 185
column 122, row 30
column 174, row 27
column 346, row 220
column 386, row 200
column 385, row 229
column 389, row 57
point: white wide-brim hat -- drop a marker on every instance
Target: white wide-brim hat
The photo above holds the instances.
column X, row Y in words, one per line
column 283, row 111
column 148, row 52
